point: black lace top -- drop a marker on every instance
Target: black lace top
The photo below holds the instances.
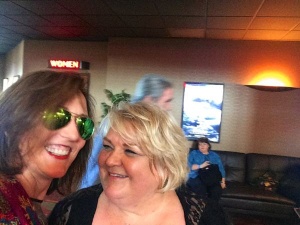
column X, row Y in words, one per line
column 80, row 206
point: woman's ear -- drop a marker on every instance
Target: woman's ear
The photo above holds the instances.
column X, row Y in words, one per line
column 148, row 99
column 23, row 145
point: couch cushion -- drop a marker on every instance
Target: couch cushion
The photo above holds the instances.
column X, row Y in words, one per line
column 248, row 192
column 289, row 185
column 253, row 207
column 259, row 164
column 234, row 164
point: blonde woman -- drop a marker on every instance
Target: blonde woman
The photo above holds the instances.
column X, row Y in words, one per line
column 150, row 88
column 143, row 166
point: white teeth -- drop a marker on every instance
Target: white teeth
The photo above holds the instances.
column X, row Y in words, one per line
column 57, row 151
column 117, row 175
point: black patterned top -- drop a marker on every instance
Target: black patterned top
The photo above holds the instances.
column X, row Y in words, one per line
column 79, row 208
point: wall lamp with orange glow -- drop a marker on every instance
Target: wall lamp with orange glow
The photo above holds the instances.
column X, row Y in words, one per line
column 273, row 81
column 270, row 88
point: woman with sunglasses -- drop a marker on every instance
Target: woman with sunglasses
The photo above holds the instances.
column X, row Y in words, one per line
column 45, row 131
column 143, row 166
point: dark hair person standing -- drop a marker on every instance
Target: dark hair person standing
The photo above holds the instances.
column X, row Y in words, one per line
column 45, row 130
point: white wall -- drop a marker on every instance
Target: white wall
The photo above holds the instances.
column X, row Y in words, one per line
column 252, row 121
column 245, row 125
column 2, row 72
column 14, row 63
column 37, row 54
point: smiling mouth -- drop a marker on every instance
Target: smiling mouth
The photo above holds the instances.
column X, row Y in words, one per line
column 117, row 175
column 58, row 151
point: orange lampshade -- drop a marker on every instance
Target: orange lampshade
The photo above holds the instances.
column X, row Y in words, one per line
column 271, row 78
column 271, row 81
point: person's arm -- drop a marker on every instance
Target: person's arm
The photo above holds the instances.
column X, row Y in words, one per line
column 203, row 165
column 223, row 183
column 195, row 167
column 193, row 163
column 222, row 170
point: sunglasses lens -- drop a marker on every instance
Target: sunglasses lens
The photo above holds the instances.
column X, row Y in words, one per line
column 60, row 118
column 85, row 127
column 56, row 120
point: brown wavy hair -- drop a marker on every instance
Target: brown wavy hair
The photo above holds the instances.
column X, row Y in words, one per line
column 21, row 106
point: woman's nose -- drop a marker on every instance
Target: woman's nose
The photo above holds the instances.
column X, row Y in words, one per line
column 114, row 158
column 70, row 131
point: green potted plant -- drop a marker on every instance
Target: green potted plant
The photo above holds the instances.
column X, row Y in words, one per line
column 114, row 99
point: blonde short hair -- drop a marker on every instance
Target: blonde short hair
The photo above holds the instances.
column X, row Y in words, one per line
column 158, row 135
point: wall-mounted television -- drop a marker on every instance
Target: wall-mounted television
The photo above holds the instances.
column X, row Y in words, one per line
column 202, row 110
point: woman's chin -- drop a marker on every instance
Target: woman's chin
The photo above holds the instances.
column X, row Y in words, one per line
column 114, row 193
column 57, row 174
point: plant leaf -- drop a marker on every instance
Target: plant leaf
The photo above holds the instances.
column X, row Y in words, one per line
column 115, row 99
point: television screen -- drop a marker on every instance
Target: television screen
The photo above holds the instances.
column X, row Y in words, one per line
column 202, row 110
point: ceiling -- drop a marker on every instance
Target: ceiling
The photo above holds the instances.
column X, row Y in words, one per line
column 98, row 20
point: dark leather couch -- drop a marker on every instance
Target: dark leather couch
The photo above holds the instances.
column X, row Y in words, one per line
column 241, row 196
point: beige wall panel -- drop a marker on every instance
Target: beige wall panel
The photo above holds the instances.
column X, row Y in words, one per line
column 252, row 120
column 37, row 54
column 246, row 121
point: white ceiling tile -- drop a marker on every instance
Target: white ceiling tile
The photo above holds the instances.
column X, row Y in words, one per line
column 288, row 8
column 274, row 23
column 230, row 35
column 188, row 33
column 264, row 35
column 233, row 7
column 189, row 22
column 292, row 36
column 231, row 23
column 90, row 20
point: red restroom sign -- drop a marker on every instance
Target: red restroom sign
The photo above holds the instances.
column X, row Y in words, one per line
column 68, row 64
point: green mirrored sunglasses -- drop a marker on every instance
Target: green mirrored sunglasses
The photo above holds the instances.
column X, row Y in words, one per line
column 54, row 120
